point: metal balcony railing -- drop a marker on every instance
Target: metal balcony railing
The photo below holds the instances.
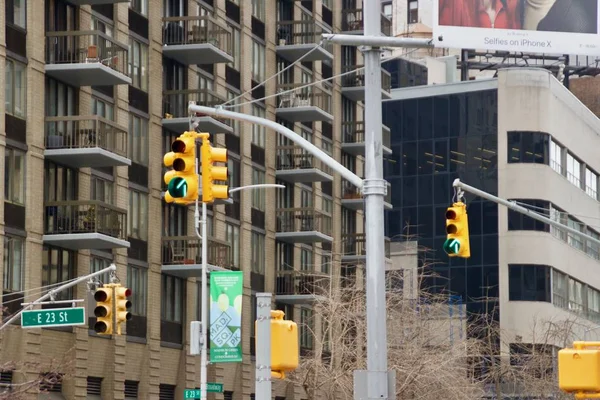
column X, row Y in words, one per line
column 72, row 47
column 295, row 157
column 188, row 250
column 301, row 32
column 84, row 216
column 303, row 220
column 175, row 102
column 302, row 283
column 354, row 244
column 352, row 20
column 357, row 79
column 354, row 132
column 78, row 132
column 196, row 30
column 351, row 192
column 312, row 96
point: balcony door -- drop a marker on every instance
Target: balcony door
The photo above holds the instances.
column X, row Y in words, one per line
column 61, row 101
column 175, row 8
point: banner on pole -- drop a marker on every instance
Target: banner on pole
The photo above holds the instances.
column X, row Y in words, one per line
column 226, row 293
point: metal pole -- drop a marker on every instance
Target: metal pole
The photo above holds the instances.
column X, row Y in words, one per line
column 376, row 39
column 204, row 312
column 374, row 190
column 263, row 346
column 257, row 186
column 53, row 292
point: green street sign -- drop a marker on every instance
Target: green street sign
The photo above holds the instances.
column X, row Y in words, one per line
column 210, row 388
column 452, row 246
column 53, row 317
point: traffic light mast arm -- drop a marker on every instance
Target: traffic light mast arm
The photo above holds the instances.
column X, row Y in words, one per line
column 522, row 210
column 54, row 292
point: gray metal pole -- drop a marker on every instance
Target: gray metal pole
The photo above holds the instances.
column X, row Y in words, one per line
column 263, row 346
column 204, row 312
column 377, row 39
column 374, row 190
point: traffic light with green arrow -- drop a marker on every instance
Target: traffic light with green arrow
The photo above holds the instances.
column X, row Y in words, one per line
column 457, row 230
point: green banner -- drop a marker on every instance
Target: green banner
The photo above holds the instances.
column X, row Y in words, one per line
column 226, row 293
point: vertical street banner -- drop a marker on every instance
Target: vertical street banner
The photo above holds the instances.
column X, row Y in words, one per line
column 226, row 293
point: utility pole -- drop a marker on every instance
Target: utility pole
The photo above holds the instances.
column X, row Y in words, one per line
column 263, row 346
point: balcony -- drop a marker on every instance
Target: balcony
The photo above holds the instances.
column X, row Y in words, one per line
column 81, row 142
column 196, row 40
column 95, row 2
column 353, row 200
column 353, row 22
column 182, row 256
column 294, row 164
column 303, row 225
column 176, row 116
column 353, row 138
column 353, row 84
column 301, row 287
column 84, row 224
column 297, row 38
column 354, row 247
column 303, row 105
column 86, row 58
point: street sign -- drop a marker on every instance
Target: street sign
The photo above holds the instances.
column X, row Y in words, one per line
column 210, row 388
column 53, row 317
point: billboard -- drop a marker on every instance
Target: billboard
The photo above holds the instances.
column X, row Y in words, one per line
column 536, row 26
column 226, row 293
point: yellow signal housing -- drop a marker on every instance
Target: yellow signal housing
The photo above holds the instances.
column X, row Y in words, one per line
column 284, row 345
column 122, row 305
column 104, row 311
column 579, row 369
column 182, row 180
column 211, row 173
column 457, row 230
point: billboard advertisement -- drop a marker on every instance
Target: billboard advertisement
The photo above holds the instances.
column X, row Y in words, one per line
column 535, row 26
column 226, row 293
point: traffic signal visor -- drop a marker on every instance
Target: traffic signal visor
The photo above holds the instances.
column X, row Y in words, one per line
column 457, row 230
column 579, row 370
column 103, row 311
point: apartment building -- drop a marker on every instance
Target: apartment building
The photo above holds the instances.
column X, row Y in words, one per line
column 95, row 92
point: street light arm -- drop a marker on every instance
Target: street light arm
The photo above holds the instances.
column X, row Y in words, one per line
column 293, row 136
column 257, row 186
column 377, row 41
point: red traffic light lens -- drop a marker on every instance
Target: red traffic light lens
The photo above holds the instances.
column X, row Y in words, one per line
column 450, row 214
column 178, row 146
column 127, row 292
column 100, row 295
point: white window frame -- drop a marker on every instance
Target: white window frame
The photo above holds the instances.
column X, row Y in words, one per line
column 14, row 264
column 15, row 179
column 137, row 226
column 137, row 147
column 258, row 252
column 15, row 94
column 258, row 61
column 137, row 64
column 258, row 196
column 137, row 281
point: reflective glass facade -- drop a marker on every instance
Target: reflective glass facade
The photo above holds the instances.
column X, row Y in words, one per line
column 435, row 140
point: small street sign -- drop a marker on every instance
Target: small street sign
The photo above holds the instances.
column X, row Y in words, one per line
column 53, row 317
column 210, row 388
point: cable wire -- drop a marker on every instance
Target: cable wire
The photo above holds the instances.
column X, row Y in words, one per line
column 41, row 289
column 321, row 81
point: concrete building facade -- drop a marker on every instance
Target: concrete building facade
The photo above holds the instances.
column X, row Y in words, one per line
column 95, row 92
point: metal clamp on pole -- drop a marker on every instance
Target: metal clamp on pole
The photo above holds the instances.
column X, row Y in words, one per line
column 374, row 186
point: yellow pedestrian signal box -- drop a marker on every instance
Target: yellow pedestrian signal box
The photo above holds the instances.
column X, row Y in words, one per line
column 284, row 345
column 579, row 368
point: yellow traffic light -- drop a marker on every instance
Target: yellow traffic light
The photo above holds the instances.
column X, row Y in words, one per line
column 182, row 180
column 211, row 173
column 457, row 229
column 104, row 311
column 579, row 369
column 122, row 306
column 284, row 345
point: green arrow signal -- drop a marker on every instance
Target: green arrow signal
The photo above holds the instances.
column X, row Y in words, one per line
column 452, row 246
column 177, row 187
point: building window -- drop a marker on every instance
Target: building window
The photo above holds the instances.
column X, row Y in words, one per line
column 306, row 322
column 61, row 183
column 306, row 259
column 137, row 281
column 258, row 131
column 138, row 139
column 522, row 222
column 413, row 11
column 285, row 256
column 98, row 264
column 138, row 64
column 573, row 170
column 258, row 61
column 233, row 169
column 560, row 290
column 58, row 265
column 232, row 235
column 14, row 176
column 576, row 297
column 15, row 99
column 258, row 196
column 258, row 253
column 102, row 24
column 14, row 261
column 18, row 15
column 101, row 189
column 236, row 48
column 556, row 156
column 528, row 147
column 529, row 282
column 387, row 10
column 258, row 9
column 172, row 299
column 591, row 183
column 137, row 225
column 103, row 108
column 139, row 6
column 326, row 263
